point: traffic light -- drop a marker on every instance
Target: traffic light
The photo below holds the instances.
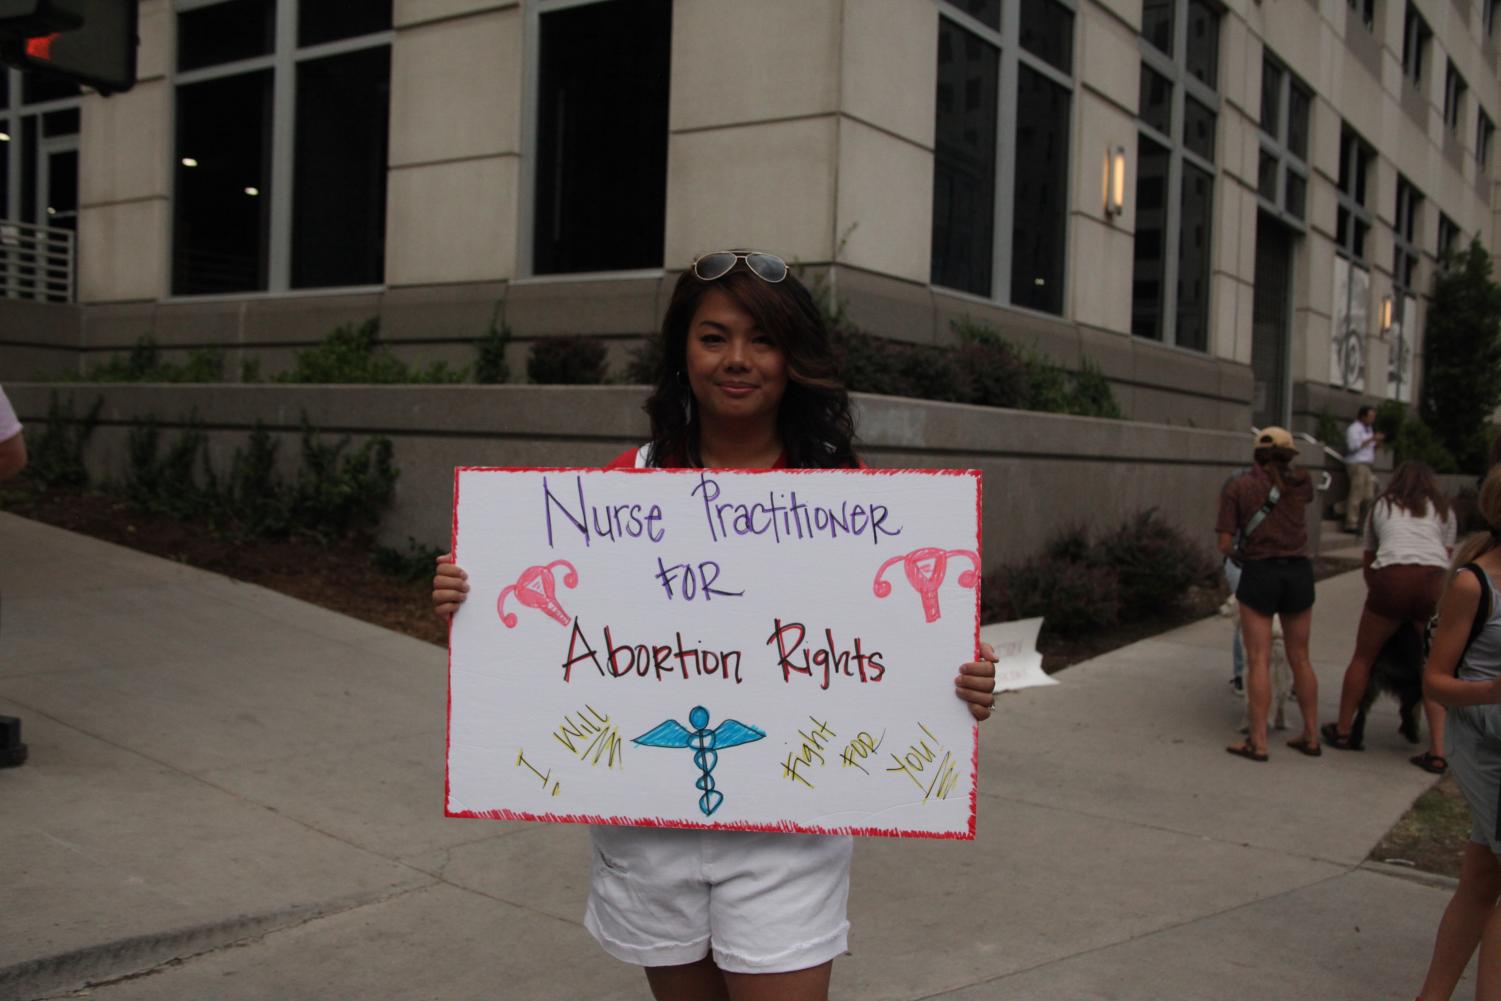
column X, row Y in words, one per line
column 39, row 17
column 100, row 52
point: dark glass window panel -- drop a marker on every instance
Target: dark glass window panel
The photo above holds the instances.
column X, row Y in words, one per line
column 1341, row 226
column 220, row 231
column 1194, row 234
column 1203, row 44
column 61, row 209
column 1198, row 128
column 4, row 87
column 1047, row 32
column 1346, row 149
column 964, row 163
column 226, row 32
column 4, row 170
column 1358, row 240
column 28, row 168
column 1266, row 176
column 60, row 123
column 1040, row 209
column 1157, row 24
column 1362, row 170
column 328, row 20
column 1148, row 256
column 339, row 179
column 1156, row 100
column 1271, row 98
column 601, row 191
column 987, row 12
column 1297, row 195
column 39, row 87
column 1299, row 103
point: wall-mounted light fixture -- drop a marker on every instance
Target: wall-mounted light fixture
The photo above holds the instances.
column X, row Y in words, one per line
column 1387, row 307
column 1114, row 183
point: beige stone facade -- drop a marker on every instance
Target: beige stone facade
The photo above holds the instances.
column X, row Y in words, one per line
column 808, row 127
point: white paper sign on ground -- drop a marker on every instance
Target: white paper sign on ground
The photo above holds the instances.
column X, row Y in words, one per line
column 1018, row 664
column 767, row 650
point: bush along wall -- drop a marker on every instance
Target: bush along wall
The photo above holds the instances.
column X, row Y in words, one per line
column 1133, row 571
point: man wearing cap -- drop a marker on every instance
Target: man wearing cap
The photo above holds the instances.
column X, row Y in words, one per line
column 1360, row 455
column 1261, row 525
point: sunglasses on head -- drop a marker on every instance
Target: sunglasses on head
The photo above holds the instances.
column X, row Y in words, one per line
column 767, row 267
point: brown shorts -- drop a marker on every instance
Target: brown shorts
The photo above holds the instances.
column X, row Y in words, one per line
column 1404, row 592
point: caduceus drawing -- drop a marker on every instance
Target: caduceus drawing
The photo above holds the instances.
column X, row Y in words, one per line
column 706, row 742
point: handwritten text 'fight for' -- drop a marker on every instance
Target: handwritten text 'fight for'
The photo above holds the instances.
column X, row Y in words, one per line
column 824, row 661
column 781, row 517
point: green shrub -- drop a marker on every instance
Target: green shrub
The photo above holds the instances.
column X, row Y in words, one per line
column 1330, row 431
column 255, row 501
column 143, row 363
column 56, row 454
column 354, row 354
column 337, row 494
column 491, row 366
column 1154, row 561
column 645, row 363
column 1071, row 597
column 566, row 361
column 179, row 483
column 414, row 564
column 1416, row 440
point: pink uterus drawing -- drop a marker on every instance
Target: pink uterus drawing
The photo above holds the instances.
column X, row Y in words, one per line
column 925, row 570
column 535, row 588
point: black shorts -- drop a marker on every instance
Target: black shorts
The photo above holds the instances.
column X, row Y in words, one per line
column 1283, row 585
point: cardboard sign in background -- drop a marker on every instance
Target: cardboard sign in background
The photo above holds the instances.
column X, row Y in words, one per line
column 768, row 650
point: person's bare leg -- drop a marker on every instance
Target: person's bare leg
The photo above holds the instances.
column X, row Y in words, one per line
column 1464, row 921
column 811, row 984
column 700, row 981
column 1256, row 630
column 1436, row 718
column 1370, row 636
column 1295, row 631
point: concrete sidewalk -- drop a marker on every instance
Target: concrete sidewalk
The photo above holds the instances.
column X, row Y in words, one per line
column 236, row 795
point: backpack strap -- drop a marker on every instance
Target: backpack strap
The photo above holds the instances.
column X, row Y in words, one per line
column 1482, row 610
column 1256, row 519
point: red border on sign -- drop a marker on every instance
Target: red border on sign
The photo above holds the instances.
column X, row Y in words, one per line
column 661, row 822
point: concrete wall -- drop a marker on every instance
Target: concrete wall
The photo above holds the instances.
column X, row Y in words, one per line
column 1042, row 471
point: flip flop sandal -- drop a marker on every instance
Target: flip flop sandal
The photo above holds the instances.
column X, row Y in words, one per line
column 1308, row 747
column 1335, row 739
column 1431, row 763
column 1246, row 751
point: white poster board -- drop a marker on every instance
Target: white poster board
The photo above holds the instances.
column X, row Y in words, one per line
column 756, row 650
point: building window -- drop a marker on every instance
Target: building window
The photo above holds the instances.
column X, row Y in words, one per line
column 1485, row 131
column 601, row 162
column 1177, row 115
column 1416, row 36
column 1454, row 95
column 1352, row 227
column 1282, row 175
column 1003, row 242
column 1404, row 235
column 280, row 177
column 1448, row 237
column 1367, row 11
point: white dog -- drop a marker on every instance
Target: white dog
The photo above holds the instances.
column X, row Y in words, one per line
column 1281, row 671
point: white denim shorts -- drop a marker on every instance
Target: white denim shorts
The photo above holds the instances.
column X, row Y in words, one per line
column 762, row 903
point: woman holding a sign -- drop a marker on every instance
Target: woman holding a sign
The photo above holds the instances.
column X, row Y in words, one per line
column 748, row 381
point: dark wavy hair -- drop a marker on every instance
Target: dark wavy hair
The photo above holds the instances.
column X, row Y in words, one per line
column 1412, row 487
column 813, row 419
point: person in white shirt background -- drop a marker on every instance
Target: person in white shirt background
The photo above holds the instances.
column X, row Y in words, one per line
column 12, row 443
column 1360, row 454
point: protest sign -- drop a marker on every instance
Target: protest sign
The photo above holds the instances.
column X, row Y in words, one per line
column 1018, row 665
column 759, row 650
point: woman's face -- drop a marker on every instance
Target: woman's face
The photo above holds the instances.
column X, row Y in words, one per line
column 735, row 370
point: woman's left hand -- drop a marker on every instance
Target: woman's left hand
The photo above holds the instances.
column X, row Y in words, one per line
column 976, row 682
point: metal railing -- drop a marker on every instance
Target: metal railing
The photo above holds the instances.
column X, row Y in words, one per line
column 36, row 262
